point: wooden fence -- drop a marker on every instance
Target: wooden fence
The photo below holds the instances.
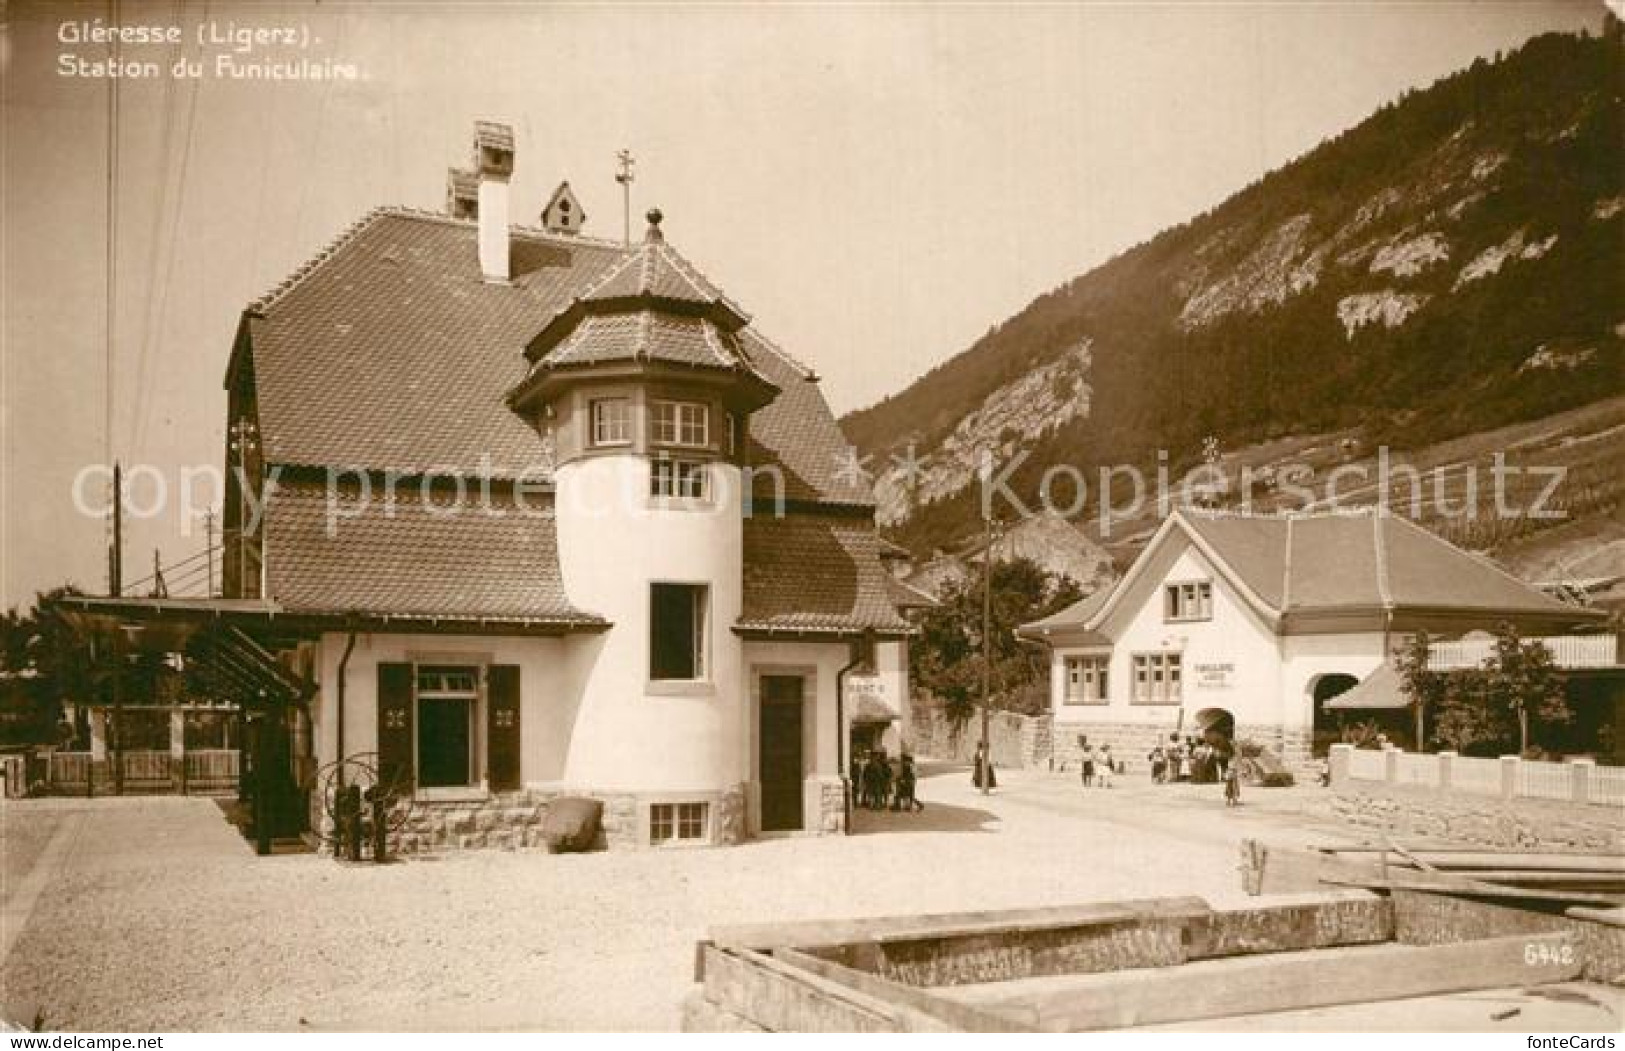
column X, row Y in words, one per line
column 201, row 771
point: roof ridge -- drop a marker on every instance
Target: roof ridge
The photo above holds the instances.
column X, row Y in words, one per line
column 1286, row 570
column 269, row 298
column 1379, row 552
column 407, row 211
column 682, row 266
column 276, row 293
column 807, row 373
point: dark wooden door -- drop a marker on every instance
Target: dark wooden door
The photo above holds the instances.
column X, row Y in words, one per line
column 781, row 753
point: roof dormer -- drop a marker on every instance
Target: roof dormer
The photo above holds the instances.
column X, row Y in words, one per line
column 563, row 214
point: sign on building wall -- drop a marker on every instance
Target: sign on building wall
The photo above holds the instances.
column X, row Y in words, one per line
column 1217, row 675
column 869, row 697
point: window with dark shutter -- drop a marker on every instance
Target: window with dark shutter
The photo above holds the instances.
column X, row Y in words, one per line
column 502, row 733
column 395, row 704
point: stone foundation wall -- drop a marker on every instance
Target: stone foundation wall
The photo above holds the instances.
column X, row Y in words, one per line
column 1423, row 813
column 831, row 805
column 1132, row 742
column 514, row 820
column 1017, row 741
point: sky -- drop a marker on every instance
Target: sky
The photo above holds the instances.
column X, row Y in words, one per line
column 876, row 185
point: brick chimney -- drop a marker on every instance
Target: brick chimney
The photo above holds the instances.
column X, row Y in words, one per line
column 493, row 164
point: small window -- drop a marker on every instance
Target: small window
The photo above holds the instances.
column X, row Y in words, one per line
column 611, row 421
column 1188, row 601
column 1086, row 680
column 677, row 478
column 678, row 822
column 677, row 614
column 684, row 423
column 1157, row 678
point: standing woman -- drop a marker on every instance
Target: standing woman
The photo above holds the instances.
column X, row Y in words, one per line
column 1088, row 766
column 984, row 777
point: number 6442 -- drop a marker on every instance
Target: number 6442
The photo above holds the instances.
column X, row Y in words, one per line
column 1544, row 954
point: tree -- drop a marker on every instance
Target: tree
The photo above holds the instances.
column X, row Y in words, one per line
column 1477, row 709
column 1522, row 678
column 1427, row 691
column 946, row 660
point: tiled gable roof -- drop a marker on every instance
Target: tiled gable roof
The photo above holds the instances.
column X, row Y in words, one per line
column 1367, row 559
column 1333, row 563
column 394, row 354
column 797, row 434
column 389, row 351
column 815, row 573
column 410, row 560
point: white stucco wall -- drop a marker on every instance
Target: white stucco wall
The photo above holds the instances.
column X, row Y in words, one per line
column 549, row 686
column 820, row 662
column 1307, row 657
column 891, row 666
column 1235, row 635
column 614, row 541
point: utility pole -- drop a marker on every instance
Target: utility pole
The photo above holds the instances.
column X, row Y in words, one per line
column 115, row 584
column 987, row 651
column 117, row 728
column 625, row 177
column 159, row 588
column 208, row 548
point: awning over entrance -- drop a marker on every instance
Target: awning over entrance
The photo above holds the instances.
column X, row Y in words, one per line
column 872, row 710
column 1382, row 689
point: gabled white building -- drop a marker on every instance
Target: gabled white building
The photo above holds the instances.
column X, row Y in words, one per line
column 1266, row 619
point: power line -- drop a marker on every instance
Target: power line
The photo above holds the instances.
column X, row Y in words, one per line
column 158, row 311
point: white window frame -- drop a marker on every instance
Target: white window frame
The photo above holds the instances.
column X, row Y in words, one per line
column 1157, row 677
column 606, row 430
column 1187, row 600
column 671, row 478
column 679, row 822
column 473, row 696
column 688, row 425
column 1088, row 679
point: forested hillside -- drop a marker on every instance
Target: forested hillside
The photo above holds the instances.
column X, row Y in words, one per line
column 1452, row 264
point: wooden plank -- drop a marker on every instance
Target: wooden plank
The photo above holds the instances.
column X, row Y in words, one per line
column 956, row 1017
column 1477, row 890
column 1503, row 859
column 772, row 995
column 1609, row 880
column 1250, row 985
column 1614, row 917
column 821, row 933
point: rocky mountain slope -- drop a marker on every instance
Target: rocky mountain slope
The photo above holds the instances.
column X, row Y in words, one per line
column 1451, row 265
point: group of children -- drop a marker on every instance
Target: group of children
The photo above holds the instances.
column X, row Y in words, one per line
column 880, row 783
column 1098, row 767
column 1201, row 762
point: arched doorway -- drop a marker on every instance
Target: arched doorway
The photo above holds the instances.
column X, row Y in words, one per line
column 1328, row 726
column 1216, row 728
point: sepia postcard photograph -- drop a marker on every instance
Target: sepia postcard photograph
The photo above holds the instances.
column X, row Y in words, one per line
column 688, row 518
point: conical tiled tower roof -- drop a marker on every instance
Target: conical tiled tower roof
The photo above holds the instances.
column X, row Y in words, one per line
column 651, row 306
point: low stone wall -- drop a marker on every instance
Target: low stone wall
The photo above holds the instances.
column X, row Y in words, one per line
column 514, row 821
column 1425, row 813
column 1017, row 741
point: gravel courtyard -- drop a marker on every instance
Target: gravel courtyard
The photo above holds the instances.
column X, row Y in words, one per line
column 154, row 914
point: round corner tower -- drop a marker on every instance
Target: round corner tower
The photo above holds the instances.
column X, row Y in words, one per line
column 644, row 389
